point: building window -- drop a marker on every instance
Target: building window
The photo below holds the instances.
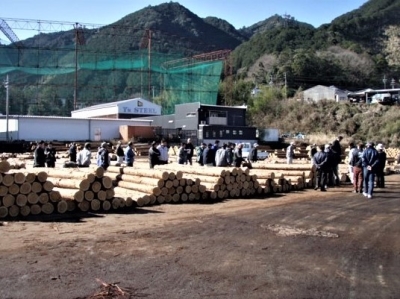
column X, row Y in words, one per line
column 221, row 133
column 218, row 113
column 227, row 131
column 191, row 114
column 240, row 132
column 214, row 134
column 207, row 135
column 234, row 132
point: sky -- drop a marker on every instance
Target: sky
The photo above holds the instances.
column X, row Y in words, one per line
column 239, row 13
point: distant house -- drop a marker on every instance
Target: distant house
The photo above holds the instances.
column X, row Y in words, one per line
column 320, row 92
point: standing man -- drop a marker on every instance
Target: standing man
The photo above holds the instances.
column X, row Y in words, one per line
column 312, row 152
column 72, row 152
column 120, row 153
column 39, row 155
column 214, row 149
column 369, row 162
column 190, row 151
column 129, row 154
column 352, row 149
column 337, row 155
column 50, row 153
column 252, row 157
column 380, row 171
column 182, row 154
column 321, row 162
column 104, row 156
column 237, row 155
column 290, row 153
column 220, row 156
column 84, row 157
column 199, row 153
column 163, row 149
column 356, row 163
column 208, row 159
column 154, row 155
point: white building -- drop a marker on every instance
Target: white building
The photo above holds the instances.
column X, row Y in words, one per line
column 320, row 92
column 33, row 128
column 125, row 109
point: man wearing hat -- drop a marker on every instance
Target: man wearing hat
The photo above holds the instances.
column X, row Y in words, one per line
column 290, row 153
column 39, row 158
column 370, row 163
column 380, row 171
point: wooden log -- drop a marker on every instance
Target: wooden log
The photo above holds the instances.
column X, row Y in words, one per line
column 71, row 183
column 33, row 198
column 48, row 208
column 95, row 205
column 35, row 209
column 95, row 187
column 36, row 187
column 3, row 190
column 13, row 189
column 71, row 194
column 62, row 206
column 101, row 195
column 48, row 186
column 89, row 195
column 172, row 176
column 19, row 178
column 106, row 205
column 1, row 178
column 184, row 197
column 25, row 188
column 128, row 201
column 170, row 184
column 25, row 210
column 99, row 172
column 153, row 173
column 139, row 187
column 71, row 205
column 30, row 177
column 8, row 179
column 84, row 206
column 110, row 193
column 8, row 200
column 4, row 166
column 3, row 212
column 21, row 200
column 160, row 199
column 143, row 180
column 54, row 196
column 282, row 167
column 68, row 173
column 13, row 211
column 106, row 182
column 41, row 176
column 115, row 203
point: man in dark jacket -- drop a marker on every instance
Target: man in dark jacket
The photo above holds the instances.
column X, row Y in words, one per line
column 129, row 154
column 321, row 162
column 214, row 149
column 50, row 153
column 208, row 156
column 72, row 152
column 237, row 155
column 154, row 155
column 380, row 169
column 190, row 151
column 369, row 162
column 199, row 153
column 39, row 155
column 252, row 157
column 104, row 156
column 337, row 157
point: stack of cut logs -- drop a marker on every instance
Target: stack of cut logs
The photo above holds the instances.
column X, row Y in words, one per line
column 27, row 193
column 278, row 178
column 156, row 186
column 86, row 189
column 224, row 183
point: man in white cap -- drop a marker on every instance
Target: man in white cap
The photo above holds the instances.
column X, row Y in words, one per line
column 290, row 153
column 380, row 170
column 369, row 162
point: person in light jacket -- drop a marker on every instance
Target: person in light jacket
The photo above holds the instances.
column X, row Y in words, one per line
column 83, row 158
column 290, row 153
column 182, row 154
column 163, row 149
column 380, row 169
column 221, row 156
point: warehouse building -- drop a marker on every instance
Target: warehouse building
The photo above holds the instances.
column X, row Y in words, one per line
column 125, row 109
column 320, row 92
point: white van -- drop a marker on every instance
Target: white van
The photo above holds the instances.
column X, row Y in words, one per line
column 261, row 155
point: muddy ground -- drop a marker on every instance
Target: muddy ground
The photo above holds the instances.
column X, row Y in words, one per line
column 301, row 245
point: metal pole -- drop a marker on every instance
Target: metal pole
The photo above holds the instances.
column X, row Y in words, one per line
column 7, row 108
column 76, row 67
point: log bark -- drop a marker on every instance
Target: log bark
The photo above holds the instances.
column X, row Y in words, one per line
column 54, row 196
column 106, row 182
column 62, row 206
column 71, row 183
column 48, row 208
column 41, row 176
column 21, row 200
column 30, row 177
column 25, row 188
column 3, row 190
column 95, row 205
column 71, row 205
column 84, row 206
column 25, row 211
column 35, row 209
column 95, row 187
column 142, row 180
column 19, row 178
column 150, row 173
column 106, row 205
column 8, row 200
column 8, row 179
column 36, row 187
column 101, row 195
column 48, row 186
column 89, row 195
column 13, row 189
column 71, row 194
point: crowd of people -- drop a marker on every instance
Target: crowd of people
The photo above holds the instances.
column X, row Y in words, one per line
column 366, row 162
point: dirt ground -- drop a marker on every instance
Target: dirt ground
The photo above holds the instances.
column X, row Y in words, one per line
column 301, row 245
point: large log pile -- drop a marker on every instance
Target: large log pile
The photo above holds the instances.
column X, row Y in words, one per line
column 23, row 194
column 86, row 189
column 146, row 187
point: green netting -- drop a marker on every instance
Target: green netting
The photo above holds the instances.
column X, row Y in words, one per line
column 166, row 79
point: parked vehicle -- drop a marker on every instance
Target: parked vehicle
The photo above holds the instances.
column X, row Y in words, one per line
column 261, row 155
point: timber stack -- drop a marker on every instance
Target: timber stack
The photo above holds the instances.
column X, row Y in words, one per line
column 223, row 183
column 149, row 187
column 24, row 194
column 86, row 189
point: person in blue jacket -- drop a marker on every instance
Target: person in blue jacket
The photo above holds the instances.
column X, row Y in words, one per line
column 129, row 154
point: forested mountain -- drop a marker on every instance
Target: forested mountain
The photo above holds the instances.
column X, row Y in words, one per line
column 355, row 51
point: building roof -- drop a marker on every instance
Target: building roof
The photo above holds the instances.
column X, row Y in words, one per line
column 111, row 104
column 198, row 104
column 75, row 118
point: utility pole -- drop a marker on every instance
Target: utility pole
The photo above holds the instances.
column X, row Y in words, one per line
column 392, row 83
column 6, row 85
column 384, row 80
